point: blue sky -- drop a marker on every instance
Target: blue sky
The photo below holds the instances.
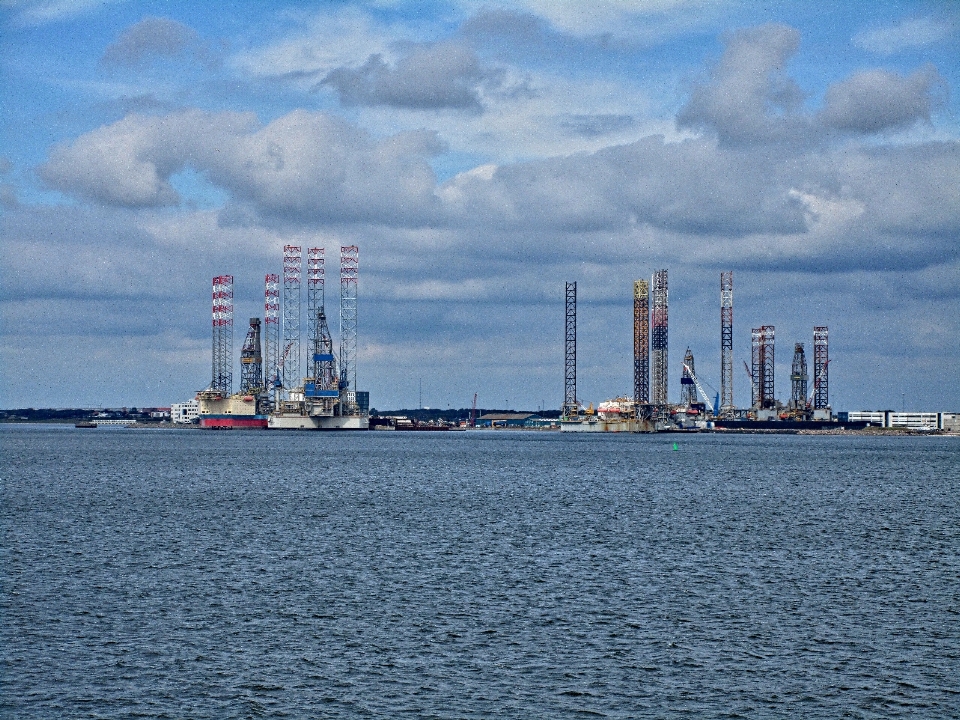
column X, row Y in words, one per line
column 480, row 155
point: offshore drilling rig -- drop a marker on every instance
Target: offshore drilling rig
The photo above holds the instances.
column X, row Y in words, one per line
column 650, row 409
column 274, row 392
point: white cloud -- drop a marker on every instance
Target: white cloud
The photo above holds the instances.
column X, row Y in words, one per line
column 329, row 41
column 907, row 34
column 608, row 15
column 876, row 100
column 37, row 12
column 302, row 166
column 644, row 21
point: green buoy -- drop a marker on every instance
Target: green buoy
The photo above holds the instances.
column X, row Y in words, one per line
column 676, row 447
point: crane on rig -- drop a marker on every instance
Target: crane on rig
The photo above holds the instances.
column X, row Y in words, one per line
column 277, row 381
column 816, row 384
column 753, row 382
column 715, row 403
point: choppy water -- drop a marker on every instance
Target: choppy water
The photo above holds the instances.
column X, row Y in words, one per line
column 245, row 574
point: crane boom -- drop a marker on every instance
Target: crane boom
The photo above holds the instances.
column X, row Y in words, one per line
column 706, row 399
column 816, row 382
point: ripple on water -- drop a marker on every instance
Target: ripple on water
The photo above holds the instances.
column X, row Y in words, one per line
column 182, row 573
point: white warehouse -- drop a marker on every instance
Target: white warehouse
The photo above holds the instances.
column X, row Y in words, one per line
column 909, row 420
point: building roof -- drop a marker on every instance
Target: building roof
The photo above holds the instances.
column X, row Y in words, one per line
column 507, row 416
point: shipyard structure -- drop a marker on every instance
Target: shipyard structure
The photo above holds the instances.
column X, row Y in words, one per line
column 281, row 386
column 649, row 409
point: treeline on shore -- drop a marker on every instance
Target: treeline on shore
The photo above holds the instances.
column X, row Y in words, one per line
column 74, row 414
column 455, row 416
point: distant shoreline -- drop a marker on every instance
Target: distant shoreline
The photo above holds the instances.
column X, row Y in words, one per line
column 865, row 432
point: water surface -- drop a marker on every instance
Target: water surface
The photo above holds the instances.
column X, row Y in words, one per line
column 185, row 573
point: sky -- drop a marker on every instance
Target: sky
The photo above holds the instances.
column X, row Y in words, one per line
column 480, row 155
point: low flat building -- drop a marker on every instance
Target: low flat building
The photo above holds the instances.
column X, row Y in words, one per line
column 506, row 420
column 908, row 420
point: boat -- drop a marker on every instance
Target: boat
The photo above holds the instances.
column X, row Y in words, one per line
column 85, row 424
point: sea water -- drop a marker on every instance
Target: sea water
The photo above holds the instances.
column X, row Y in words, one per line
column 200, row 574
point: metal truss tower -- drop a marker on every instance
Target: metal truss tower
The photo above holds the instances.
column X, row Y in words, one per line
column 659, row 340
column 290, row 356
column 641, row 343
column 798, row 378
column 315, row 292
column 271, row 335
column 323, row 365
column 251, row 361
column 222, row 334
column 762, row 367
column 349, row 276
column 821, row 378
column 726, row 343
column 570, row 405
column 688, row 391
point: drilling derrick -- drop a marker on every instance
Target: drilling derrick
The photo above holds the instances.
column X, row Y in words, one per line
column 688, row 391
column 251, row 361
column 271, row 335
column 290, row 357
column 763, row 365
column 659, row 340
column 322, row 389
column 315, row 291
column 726, row 343
column 756, row 341
column 222, row 380
column 324, row 362
column 821, row 358
column 349, row 272
column 322, row 385
column 798, row 379
column 570, row 406
column 641, row 346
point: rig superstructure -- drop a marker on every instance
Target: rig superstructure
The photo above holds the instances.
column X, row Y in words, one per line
column 274, row 391
column 219, row 407
column 650, row 409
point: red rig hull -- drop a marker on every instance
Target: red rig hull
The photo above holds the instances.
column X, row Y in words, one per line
column 229, row 422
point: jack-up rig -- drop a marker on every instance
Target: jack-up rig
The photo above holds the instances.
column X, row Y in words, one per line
column 649, row 409
column 274, row 393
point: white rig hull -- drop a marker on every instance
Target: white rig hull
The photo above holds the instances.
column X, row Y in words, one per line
column 307, row 422
column 609, row 426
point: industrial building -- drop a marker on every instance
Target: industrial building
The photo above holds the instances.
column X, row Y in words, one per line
column 948, row 422
column 507, row 420
column 185, row 413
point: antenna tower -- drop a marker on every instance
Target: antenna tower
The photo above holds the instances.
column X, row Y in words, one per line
column 349, row 271
column 251, row 361
column 726, row 343
column 798, row 378
column 641, row 343
column 570, row 407
column 821, row 358
column 222, row 334
column 290, row 363
column 659, row 343
column 271, row 334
